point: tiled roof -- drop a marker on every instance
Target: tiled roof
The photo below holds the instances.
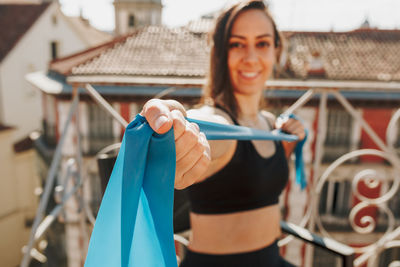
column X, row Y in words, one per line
column 65, row 65
column 15, row 20
column 153, row 51
column 159, row 51
column 367, row 54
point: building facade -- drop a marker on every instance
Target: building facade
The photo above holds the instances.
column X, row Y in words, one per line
column 32, row 34
column 130, row 14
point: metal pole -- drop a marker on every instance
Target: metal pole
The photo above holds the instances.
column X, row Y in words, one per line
column 54, row 213
column 49, row 185
column 319, row 152
column 80, row 197
column 378, row 141
column 104, row 104
column 165, row 92
column 300, row 102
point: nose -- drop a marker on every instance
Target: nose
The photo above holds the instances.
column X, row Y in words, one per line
column 250, row 55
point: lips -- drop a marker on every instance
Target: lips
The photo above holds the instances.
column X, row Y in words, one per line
column 249, row 75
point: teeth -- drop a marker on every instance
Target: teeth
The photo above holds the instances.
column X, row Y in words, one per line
column 249, row 74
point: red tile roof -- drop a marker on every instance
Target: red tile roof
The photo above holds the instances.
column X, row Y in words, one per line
column 153, row 51
column 66, row 64
column 367, row 54
column 15, row 21
column 159, row 51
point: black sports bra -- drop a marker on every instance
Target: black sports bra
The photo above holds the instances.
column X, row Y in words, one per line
column 247, row 182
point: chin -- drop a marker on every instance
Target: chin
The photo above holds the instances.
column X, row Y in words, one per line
column 248, row 90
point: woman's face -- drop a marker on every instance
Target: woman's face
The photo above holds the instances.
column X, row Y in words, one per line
column 251, row 54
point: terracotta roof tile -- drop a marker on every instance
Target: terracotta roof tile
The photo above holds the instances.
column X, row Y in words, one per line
column 15, row 20
column 357, row 55
column 154, row 51
column 160, row 51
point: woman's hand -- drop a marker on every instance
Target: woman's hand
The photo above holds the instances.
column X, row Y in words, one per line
column 192, row 148
column 293, row 126
column 290, row 126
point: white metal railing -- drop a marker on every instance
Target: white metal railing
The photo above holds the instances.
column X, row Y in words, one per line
column 310, row 220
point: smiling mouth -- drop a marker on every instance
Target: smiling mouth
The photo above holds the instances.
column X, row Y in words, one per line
column 249, row 74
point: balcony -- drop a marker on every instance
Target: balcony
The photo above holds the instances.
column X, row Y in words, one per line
column 352, row 196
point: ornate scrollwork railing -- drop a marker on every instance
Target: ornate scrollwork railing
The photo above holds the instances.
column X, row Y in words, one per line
column 360, row 223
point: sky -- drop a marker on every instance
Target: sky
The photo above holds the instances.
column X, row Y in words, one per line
column 307, row 15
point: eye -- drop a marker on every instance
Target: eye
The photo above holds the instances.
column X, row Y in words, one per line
column 263, row 44
column 236, row 45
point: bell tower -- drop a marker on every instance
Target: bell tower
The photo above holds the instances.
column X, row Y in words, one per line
column 135, row 13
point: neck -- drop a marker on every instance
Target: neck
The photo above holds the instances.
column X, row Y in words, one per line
column 248, row 105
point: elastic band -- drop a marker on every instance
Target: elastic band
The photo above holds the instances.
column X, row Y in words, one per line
column 134, row 225
column 301, row 178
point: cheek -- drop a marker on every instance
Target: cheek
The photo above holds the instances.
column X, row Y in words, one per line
column 232, row 64
column 231, row 61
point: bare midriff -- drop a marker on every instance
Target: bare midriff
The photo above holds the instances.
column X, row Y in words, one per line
column 235, row 232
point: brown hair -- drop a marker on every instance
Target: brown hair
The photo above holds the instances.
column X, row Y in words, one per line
column 218, row 88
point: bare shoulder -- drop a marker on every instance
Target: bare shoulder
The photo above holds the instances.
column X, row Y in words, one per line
column 269, row 116
column 208, row 113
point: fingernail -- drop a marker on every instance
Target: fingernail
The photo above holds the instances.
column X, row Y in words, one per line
column 160, row 122
column 196, row 127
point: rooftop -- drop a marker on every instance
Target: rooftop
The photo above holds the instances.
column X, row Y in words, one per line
column 15, row 21
column 158, row 51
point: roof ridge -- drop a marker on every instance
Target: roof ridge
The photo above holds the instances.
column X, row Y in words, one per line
column 96, row 51
column 35, row 17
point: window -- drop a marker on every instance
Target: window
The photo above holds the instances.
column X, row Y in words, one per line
column 54, row 50
column 389, row 256
column 49, row 122
column 338, row 135
column 131, row 21
column 54, row 19
column 336, row 199
column 100, row 129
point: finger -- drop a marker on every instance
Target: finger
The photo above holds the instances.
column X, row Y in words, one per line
column 291, row 128
column 179, row 123
column 195, row 173
column 206, row 145
column 189, row 160
column 186, row 141
column 186, row 162
column 295, row 127
column 175, row 105
column 157, row 114
column 291, row 124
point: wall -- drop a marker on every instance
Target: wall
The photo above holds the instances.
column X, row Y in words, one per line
column 17, row 200
column 145, row 14
column 21, row 101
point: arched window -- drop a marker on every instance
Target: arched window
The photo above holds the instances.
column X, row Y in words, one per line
column 131, row 21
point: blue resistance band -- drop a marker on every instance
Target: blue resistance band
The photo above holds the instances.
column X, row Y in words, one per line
column 134, row 226
column 301, row 178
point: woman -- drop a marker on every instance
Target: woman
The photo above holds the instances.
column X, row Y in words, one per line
column 233, row 185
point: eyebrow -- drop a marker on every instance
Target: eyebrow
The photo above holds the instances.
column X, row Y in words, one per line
column 257, row 37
